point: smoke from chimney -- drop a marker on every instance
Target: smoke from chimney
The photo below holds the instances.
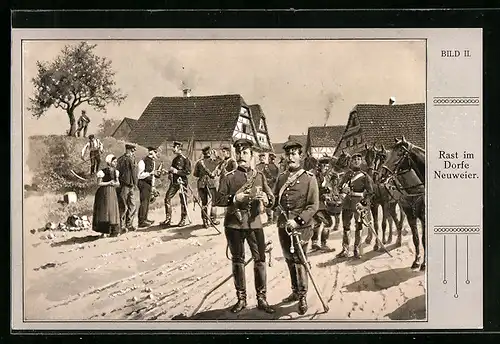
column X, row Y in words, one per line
column 392, row 101
column 331, row 98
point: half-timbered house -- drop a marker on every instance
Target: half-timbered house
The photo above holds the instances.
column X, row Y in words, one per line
column 322, row 141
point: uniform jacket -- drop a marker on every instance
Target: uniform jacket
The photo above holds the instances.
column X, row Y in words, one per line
column 362, row 185
column 228, row 165
column 202, row 170
column 242, row 215
column 183, row 165
column 300, row 200
column 126, row 167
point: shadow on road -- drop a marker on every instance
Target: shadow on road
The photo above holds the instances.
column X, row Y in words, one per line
column 372, row 254
column 413, row 309
column 76, row 240
column 288, row 311
column 382, row 280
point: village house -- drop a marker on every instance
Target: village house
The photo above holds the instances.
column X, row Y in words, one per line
column 322, row 141
column 381, row 124
column 199, row 121
column 124, row 129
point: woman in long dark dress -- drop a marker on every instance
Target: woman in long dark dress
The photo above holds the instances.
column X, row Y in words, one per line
column 106, row 217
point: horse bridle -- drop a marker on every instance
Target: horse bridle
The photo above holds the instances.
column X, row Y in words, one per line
column 393, row 175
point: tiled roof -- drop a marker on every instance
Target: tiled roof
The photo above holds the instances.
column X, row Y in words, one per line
column 130, row 121
column 382, row 123
column 204, row 118
column 325, row 136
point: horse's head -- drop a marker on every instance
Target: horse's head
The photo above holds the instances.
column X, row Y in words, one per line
column 381, row 156
column 397, row 158
column 370, row 155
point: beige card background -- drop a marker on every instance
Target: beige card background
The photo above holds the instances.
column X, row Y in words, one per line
column 454, row 207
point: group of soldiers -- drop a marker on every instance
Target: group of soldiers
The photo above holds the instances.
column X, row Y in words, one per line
column 300, row 201
column 295, row 197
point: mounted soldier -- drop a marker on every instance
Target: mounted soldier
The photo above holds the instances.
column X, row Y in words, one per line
column 245, row 193
column 297, row 198
column 356, row 192
column 179, row 172
column 204, row 170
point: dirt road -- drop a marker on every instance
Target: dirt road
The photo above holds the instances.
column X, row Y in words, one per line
column 163, row 273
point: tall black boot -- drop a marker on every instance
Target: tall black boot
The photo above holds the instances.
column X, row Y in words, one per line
column 345, row 245
column 240, row 286
column 357, row 240
column 294, row 296
column 204, row 217
column 168, row 215
column 260, row 277
column 302, row 281
column 315, row 237
column 325, row 234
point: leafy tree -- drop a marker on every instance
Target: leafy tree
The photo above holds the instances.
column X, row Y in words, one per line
column 75, row 77
column 108, row 126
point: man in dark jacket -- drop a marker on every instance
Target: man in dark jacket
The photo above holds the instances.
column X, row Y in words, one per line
column 146, row 174
column 128, row 183
column 245, row 193
column 204, row 170
column 297, row 198
column 179, row 172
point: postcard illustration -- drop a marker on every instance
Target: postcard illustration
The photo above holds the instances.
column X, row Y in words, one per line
column 281, row 179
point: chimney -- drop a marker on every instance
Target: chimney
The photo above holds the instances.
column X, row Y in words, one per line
column 186, row 92
column 392, row 100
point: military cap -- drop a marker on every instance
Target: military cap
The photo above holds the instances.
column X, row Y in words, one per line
column 241, row 144
column 129, row 146
column 177, row 143
column 83, row 111
column 225, row 148
column 291, row 144
column 272, row 155
column 324, row 160
column 205, row 149
column 151, row 148
column 91, row 136
column 356, row 155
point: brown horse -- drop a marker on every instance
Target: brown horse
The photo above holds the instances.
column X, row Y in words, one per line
column 374, row 159
column 404, row 178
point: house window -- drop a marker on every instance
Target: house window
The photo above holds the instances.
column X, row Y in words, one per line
column 262, row 127
column 246, row 128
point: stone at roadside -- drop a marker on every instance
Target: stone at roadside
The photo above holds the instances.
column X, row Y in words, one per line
column 70, row 197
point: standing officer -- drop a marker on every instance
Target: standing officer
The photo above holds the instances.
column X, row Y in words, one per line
column 204, row 170
column 245, row 192
column 128, row 183
column 297, row 194
column 179, row 172
column 356, row 192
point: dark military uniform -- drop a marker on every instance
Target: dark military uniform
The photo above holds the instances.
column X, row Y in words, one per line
column 323, row 216
column 300, row 201
column 242, row 222
column 360, row 186
column 204, row 171
column 183, row 166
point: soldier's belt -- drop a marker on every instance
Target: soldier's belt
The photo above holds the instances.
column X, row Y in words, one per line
column 357, row 194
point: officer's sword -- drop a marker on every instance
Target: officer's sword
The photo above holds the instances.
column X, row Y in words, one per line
column 184, row 198
column 302, row 256
column 362, row 219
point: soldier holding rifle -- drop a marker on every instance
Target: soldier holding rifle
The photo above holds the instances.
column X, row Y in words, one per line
column 297, row 199
column 245, row 193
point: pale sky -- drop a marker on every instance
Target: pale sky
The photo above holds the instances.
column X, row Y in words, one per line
column 293, row 81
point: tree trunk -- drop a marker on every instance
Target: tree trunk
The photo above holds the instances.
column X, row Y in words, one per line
column 72, row 123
